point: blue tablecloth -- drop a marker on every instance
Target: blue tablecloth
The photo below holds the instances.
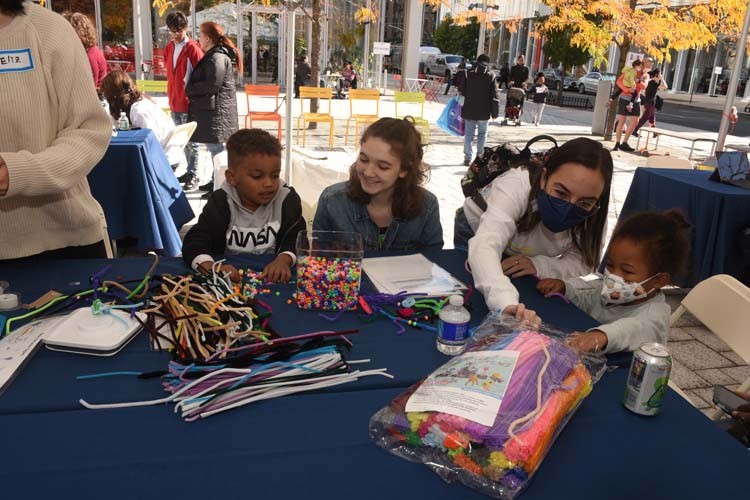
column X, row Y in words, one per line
column 316, row 445
column 718, row 212
column 139, row 193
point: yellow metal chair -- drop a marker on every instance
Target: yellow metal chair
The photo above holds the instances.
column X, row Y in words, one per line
column 152, row 86
column 306, row 117
column 263, row 116
column 412, row 98
column 361, row 95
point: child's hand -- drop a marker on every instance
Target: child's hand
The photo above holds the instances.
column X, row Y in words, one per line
column 550, row 285
column 593, row 341
column 278, row 271
column 517, row 266
column 234, row 274
column 520, row 312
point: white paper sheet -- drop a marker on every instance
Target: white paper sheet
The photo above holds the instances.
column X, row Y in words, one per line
column 411, row 273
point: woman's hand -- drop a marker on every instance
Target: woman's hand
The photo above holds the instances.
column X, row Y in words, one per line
column 593, row 341
column 520, row 312
column 278, row 271
column 517, row 266
column 550, row 285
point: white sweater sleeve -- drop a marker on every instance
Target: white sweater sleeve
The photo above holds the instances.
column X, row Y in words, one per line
column 627, row 334
column 568, row 265
column 506, row 203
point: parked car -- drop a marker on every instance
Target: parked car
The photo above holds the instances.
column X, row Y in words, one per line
column 590, row 81
column 444, row 65
column 392, row 62
column 426, row 51
column 553, row 81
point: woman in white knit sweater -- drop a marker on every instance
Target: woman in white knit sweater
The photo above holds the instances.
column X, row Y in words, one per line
column 544, row 220
column 53, row 131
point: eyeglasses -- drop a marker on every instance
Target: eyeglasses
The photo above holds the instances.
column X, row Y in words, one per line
column 586, row 206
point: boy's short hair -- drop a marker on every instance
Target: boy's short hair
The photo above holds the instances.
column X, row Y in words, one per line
column 176, row 21
column 637, row 62
column 251, row 141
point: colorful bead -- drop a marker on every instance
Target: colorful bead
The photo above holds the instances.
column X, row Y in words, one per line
column 330, row 284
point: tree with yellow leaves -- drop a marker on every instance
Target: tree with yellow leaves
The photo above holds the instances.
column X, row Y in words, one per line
column 653, row 26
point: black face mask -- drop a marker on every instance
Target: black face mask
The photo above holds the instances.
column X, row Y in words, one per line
column 11, row 7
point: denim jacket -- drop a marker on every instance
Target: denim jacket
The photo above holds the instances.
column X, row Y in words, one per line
column 337, row 212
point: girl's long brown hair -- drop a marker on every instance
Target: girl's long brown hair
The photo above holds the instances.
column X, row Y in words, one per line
column 120, row 92
column 406, row 144
column 217, row 36
column 588, row 235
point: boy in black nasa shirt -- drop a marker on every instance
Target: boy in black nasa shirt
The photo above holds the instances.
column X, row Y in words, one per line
column 252, row 213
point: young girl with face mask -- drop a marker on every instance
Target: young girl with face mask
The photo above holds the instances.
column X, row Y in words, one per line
column 646, row 252
column 544, row 220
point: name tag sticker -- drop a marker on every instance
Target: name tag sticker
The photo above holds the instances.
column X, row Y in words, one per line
column 16, row 61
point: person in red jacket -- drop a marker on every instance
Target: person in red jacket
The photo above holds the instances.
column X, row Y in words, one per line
column 181, row 55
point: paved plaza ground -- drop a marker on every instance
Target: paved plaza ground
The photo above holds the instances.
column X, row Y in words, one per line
column 701, row 359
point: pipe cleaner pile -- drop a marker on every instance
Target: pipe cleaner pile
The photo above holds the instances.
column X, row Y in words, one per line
column 498, row 457
column 225, row 352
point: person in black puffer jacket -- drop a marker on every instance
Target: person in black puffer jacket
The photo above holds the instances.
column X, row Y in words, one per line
column 480, row 102
column 213, row 97
column 519, row 74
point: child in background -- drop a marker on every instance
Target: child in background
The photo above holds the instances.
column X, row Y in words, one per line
column 540, row 97
column 252, row 213
column 383, row 199
column 647, row 251
column 632, row 80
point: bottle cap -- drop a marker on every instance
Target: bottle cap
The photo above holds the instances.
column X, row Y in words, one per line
column 456, row 300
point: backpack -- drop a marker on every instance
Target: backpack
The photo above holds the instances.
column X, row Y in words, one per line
column 496, row 161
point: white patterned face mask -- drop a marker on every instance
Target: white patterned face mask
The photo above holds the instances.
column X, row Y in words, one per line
column 615, row 290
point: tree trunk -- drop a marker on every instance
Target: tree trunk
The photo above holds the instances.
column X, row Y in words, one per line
column 609, row 127
column 317, row 7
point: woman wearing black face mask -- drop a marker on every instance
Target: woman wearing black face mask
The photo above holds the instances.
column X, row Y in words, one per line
column 544, row 220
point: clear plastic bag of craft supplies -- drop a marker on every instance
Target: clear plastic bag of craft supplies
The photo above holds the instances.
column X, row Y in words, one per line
column 488, row 417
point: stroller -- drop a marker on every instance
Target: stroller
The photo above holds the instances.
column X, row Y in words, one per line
column 514, row 106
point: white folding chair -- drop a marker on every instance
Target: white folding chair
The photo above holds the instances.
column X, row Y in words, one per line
column 722, row 304
column 174, row 146
column 662, row 161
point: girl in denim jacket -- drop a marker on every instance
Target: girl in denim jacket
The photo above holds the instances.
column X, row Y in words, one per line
column 383, row 199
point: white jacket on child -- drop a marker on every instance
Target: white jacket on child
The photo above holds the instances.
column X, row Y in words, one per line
column 627, row 326
column 554, row 254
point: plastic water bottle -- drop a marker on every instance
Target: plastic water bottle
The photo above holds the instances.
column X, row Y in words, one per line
column 453, row 328
column 123, row 123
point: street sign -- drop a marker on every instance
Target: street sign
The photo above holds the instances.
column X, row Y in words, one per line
column 718, row 70
column 381, row 48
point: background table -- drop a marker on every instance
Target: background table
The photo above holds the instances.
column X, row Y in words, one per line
column 718, row 212
column 317, row 445
column 140, row 194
